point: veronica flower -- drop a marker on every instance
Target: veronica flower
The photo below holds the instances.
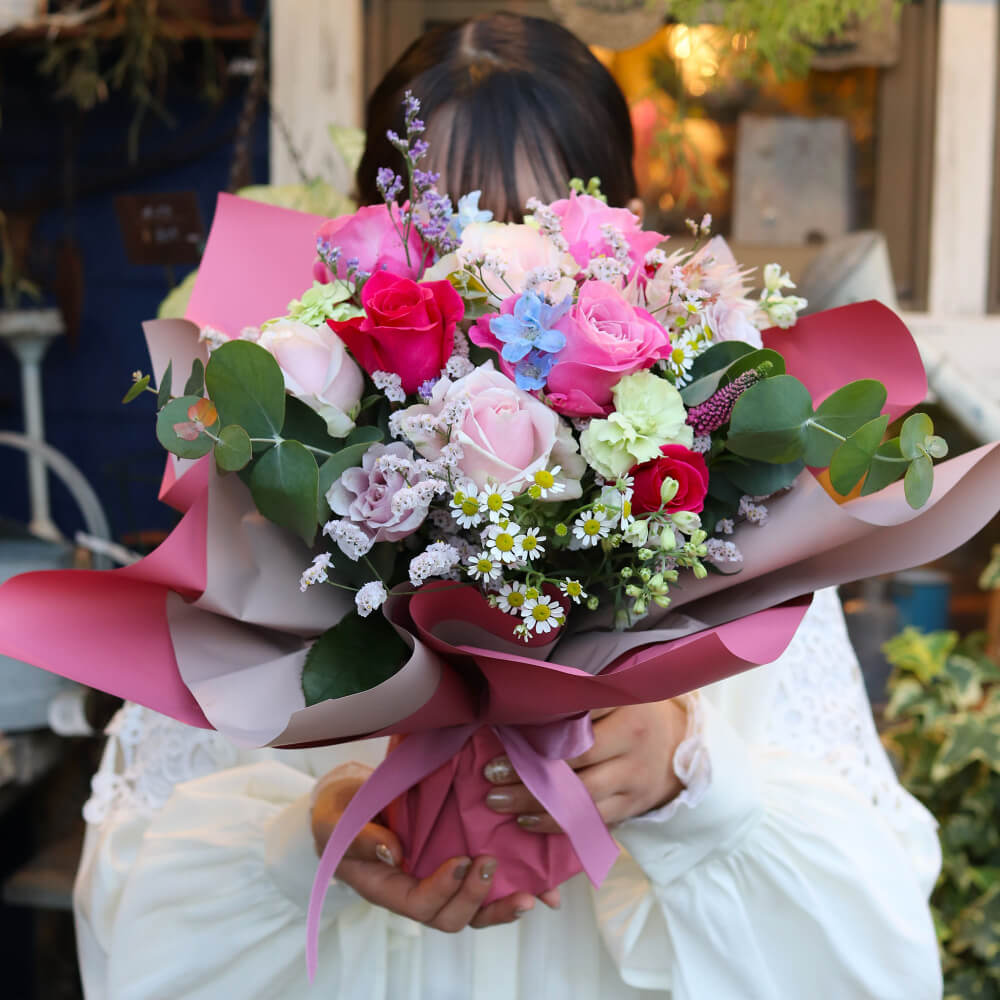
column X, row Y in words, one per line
column 529, row 327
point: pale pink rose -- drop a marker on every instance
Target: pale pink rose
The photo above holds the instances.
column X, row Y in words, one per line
column 363, row 495
column 583, row 217
column 372, row 238
column 522, row 249
column 318, row 370
column 506, row 435
column 728, row 320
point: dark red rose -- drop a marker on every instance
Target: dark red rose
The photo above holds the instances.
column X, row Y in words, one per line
column 679, row 463
column 408, row 328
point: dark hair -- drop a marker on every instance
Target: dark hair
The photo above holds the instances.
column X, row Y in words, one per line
column 503, row 95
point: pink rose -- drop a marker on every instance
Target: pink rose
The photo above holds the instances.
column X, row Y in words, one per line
column 505, row 434
column 687, row 468
column 363, row 495
column 606, row 339
column 371, row 237
column 317, row 370
column 584, row 216
column 408, row 328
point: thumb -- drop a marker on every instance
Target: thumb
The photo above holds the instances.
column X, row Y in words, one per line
column 376, row 843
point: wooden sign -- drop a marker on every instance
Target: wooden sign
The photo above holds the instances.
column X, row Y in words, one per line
column 161, row 230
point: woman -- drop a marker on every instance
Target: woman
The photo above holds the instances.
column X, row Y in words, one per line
column 768, row 851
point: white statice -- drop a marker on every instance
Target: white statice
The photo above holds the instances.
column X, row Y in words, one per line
column 350, row 539
column 755, row 513
column 370, row 597
column 619, row 245
column 438, row 559
column 316, row 573
column 458, row 366
column 724, row 526
column 549, row 224
column 607, row 269
column 722, row 552
column 212, row 337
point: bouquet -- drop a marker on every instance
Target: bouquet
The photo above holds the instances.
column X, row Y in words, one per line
column 478, row 479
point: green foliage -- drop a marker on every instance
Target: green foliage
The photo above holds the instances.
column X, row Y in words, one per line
column 175, row 416
column 233, row 450
column 945, row 735
column 247, row 387
column 284, row 482
column 138, row 387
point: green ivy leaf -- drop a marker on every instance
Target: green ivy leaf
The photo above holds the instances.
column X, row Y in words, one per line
column 355, row 655
column 887, row 466
column 918, row 482
column 853, row 458
column 176, row 412
column 247, row 387
column 136, row 389
column 285, row 487
column 195, row 385
column 233, row 450
column 163, row 390
column 768, row 420
column 916, row 428
column 842, row 413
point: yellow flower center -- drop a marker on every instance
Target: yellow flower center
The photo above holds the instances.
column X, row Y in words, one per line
column 529, row 542
column 541, row 612
column 591, row 526
column 574, row 589
column 532, row 594
column 677, row 355
column 504, row 542
column 495, row 502
column 515, row 599
column 627, row 508
column 545, row 479
column 470, row 506
column 484, row 565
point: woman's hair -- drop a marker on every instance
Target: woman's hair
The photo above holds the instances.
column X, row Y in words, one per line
column 514, row 106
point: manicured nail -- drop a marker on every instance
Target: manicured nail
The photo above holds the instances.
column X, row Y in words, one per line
column 462, row 869
column 385, row 855
column 528, row 821
column 498, row 770
column 499, row 800
column 489, row 867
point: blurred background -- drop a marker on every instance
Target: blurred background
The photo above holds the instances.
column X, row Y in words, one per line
column 854, row 142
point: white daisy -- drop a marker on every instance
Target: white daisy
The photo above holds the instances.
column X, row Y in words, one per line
column 511, row 598
column 683, row 351
column 542, row 614
column 482, row 567
column 501, row 541
column 495, row 502
column 573, row 589
column 590, row 527
column 544, row 483
column 529, row 545
column 466, row 508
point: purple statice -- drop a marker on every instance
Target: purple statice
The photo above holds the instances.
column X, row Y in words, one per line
column 328, row 254
column 432, row 217
column 424, row 180
column 716, row 410
column 389, row 184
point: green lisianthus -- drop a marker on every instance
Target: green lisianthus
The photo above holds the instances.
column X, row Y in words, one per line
column 648, row 414
column 323, row 302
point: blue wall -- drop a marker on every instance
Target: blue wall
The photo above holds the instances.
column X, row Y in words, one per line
column 113, row 445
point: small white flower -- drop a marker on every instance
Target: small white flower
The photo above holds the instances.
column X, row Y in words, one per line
column 529, row 545
column 542, row 613
column 458, row 366
column 719, row 551
column 466, row 508
column 316, row 573
column 438, row 559
column 495, row 502
column 212, row 337
column 370, row 597
column 391, row 385
column 511, row 598
column 724, row 525
column 573, row 589
column 683, row 351
column 482, row 567
column 351, row 540
column 590, row 527
column 543, row 483
column 501, row 541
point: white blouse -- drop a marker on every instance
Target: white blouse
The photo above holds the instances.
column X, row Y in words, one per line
column 793, row 866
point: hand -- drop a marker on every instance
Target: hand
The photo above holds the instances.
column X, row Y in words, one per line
column 449, row 900
column 628, row 771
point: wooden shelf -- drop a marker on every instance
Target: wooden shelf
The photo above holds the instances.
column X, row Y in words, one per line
column 176, row 30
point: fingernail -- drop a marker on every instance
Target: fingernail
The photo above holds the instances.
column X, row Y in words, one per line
column 498, row 770
column 489, row 867
column 499, row 800
column 528, row 821
column 461, row 870
column 520, row 913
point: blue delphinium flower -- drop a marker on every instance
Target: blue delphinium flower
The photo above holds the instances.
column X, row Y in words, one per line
column 469, row 212
column 533, row 370
column 529, row 327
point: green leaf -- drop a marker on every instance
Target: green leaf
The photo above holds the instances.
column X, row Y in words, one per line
column 355, row 655
column 366, row 434
column 247, row 386
column 176, row 412
column 853, row 458
column 915, row 429
column 233, row 449
column 755, row 359
column 330, row 471
column 723, row 489
column 759, row 479
column 918, row 482
column 304, row 424
column 195, row 385
column 164, row 388
column 842, row 413
column 718, row 358
column 887, row 466
column 768, row 420
column 285, row 487
column 136, row 389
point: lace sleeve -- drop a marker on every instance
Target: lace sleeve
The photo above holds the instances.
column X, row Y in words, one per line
column 146, row 756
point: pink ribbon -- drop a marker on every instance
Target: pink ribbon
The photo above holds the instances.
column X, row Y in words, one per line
column 538, row 755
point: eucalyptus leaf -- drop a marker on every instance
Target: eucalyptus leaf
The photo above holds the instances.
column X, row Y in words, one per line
column 916, row 428
column 698, row 391
column 233, row 449
column 332, row 469
column 364, row 434
column 195, row 385
column 284, row 483
column 174, row 413
column 918, row 481
column 839, row 416
column 768, row 420
column 164, row 389
column 304, row 424
column 854, row 457
column 887, row 466
column 755, row 359
column 136, row 389
column 718, row 358
column 760, row 479
column 355, row 655
column 247, row 387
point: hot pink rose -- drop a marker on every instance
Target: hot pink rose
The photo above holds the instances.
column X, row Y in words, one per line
column 370, row 237
column 687, row 468
column 606, row 339
column 582, row 220
column 408, row 328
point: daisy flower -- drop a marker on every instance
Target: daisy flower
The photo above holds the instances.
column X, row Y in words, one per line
column 573, row 589
column 590, row 527
column 529, row 545
column 544, row 483
column 501, row 541
column 511, row 598
column 683, row 351
column 466, row 508
column 482, row 567
column 542, row 614
column 495, row 502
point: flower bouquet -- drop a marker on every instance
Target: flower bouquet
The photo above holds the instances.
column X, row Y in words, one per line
column 479, row 479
